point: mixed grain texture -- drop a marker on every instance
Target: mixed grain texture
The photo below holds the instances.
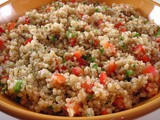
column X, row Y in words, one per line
column 80, row 59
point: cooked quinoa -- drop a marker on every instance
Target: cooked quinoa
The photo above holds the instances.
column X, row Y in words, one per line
column 80, row 59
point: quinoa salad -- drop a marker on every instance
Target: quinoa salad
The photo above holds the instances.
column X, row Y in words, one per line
column 80, row 59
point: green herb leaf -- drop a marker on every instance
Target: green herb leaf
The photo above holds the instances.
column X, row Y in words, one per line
column 95, row 66
column 101, row 50
column 158, row 33
column 96, row 10
column 133, row 66
column 129, row 73
column 90, row 96
column 136, row 35
column 67, row 34
column 17, row 86
column 86, row 57
column 103, row 69
column 92, row 59
column 104, row 8
column 4, row 88
column 74, row 34
column 121, row 38
column 53, row 38
column 1, row 84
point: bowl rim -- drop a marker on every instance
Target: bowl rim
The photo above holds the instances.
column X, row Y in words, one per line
column 141, row 109
column 135, row 112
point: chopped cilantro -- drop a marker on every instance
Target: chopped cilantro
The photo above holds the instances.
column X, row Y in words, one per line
column 101, row 50
column 95, row 66
column 17, row 87
column 136, row 35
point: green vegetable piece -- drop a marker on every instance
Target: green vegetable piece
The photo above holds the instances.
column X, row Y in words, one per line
column 95, row 66
column 90, row 96
column 129, row 73
column 103, row 69
column 121, row 37
column 96, row 10
column 67, row 34
column 53, row 38
column 1, row 84
column 92, row 59
column 136, row 35
column 158, row 33
column 4, row 88
column 133, row 66
column 104, row 8
column 74, row 34
column 86, row 57
column 17, row 87
column 101, row 50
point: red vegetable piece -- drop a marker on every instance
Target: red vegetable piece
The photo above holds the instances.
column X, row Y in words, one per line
column 103, row 77
column 111, row 68
column 99, row 22
column 138, row 49
column 72, row 42
column 1, row 30
column 158, row 39
column 11, row 26
column 78, row 54
column 123, row 29
column 104, row 111
column 1, row 44
column 82, row 62
column 87, row 87
column 119, row 103
column 96, row 42
column 119, row 25
column 67, row 58
column 150, row 69
column 144, row 58
column 28, row 41
column 77, row 71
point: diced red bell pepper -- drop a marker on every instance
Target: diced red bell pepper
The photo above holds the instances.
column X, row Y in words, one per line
column 78, row 54
column 58, row 79
column 28, row 41
column 11, row 26
column 104, row 111
column 67, row 58
column 99, row 22
column 144, row 58
column 150, row 89
column 82, row 62
column 138, row 49
column 1, row 30
column 96, row 43
column 87, row 87
column 119, row 25
column 158, row 39
column 123, row 29
column 1, row 44
column 26, row 21
column 5, row 59
column 72, row 42
column 77, row 71
column 150, row 69
column 111, row 68
column 119, row 103
column 103, row 77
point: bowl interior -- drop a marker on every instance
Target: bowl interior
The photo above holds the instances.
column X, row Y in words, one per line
column 144, row 7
